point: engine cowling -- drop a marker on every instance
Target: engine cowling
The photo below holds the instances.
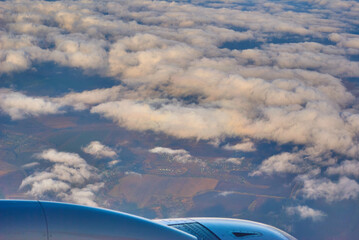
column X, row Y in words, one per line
column 35, row 220
column 226, row 229
column 40, row 220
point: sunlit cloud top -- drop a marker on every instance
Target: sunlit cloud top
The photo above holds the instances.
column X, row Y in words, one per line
column 205, row 71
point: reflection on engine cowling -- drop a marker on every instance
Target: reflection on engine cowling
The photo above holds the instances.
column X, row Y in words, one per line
column 226, row 229
column 40, row 220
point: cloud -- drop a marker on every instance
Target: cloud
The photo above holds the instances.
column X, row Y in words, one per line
column 183, row 156
column 282, row 163
column 171, row 51
column 305, row 212
column 82, row 100
column 83, row 196
column 225, row 193
column 178, row 79
column 69, row 178
column 232, row 160
column 99, row 150
column 246, row 146
column 349, row 41
column 323, row 188
column 308, row 161
column 70, row 159
column 79, row 51
column 308, row 55
column 169, row 151
column 346, row 168
column 14, row 61
column 178, row 155
column 113, row 162
column 39, row 188
column 133, row 173
column 236, row 161
column 30, row 165
column 328, row 131
column 19, row 106
column 171, row 119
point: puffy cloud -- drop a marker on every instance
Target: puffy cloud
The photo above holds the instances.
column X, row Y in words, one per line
column 346, row 168
column 254, row 93
column 69, row 178
column 79, row 34
column 331, row 191
column 246, row 146
column 328, row 129
column 178, row 155
column 349, row 41
column 38, row 188
column 309, row 55
column 79, row 52
column 83, row 196
column 171, row 119
column 13, row 60
column 169, row 151
column 19, row 106
column 70, row 159
column 282, row 163
column 159, row 62
column 305, row 212
column 178, row 79
column 309, row 160
column 99, row 150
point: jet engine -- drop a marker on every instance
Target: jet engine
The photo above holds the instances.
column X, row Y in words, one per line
column 41, row 220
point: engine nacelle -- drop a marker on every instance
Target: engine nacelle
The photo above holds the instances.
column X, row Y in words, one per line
column 226, row 229
column 40, row 220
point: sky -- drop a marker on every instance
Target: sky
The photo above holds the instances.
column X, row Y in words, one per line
column 274, row 81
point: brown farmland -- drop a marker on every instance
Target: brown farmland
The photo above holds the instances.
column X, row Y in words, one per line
column 147, row 189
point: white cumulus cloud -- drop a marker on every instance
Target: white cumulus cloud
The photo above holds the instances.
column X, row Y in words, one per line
column 69, row 178
column 324, row 188
column 99, row 150
column 178, row 155
column 346, row 168
column 18, row 105
column 246, row 146
column 305, row 212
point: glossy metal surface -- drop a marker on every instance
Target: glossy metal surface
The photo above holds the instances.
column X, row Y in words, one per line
column 225, row 229
column 67, row 221
column 22, row 220
column 32, row 220
column 38, row 220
